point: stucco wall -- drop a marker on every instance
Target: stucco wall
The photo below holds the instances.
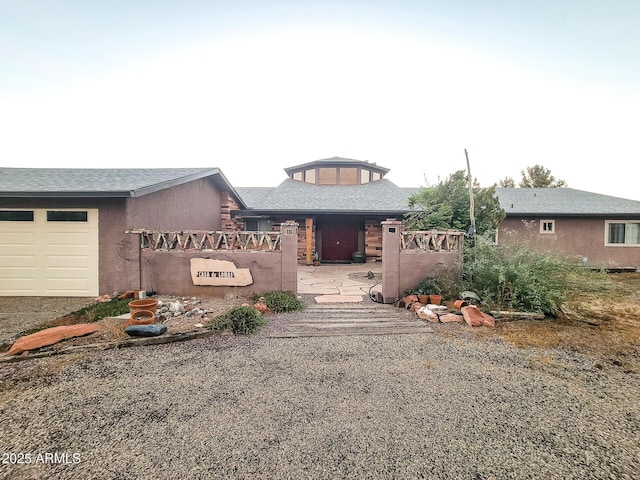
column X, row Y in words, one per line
column 170, row 273
column 580, row 237
column 415, row 266
column 191, row 206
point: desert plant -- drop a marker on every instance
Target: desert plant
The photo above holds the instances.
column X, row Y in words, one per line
column 242, row 319
column 282, row 302
column 515, row 276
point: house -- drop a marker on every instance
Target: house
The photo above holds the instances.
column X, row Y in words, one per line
column 338, row 202
column 62, row 231
column 600, row 229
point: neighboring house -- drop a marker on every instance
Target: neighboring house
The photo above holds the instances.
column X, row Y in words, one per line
column 62, row 231
column 338, row 203
column 600, row 229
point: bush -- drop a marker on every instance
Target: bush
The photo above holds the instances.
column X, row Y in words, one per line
column 282, row 302
column 244, row 320
column 516, row 277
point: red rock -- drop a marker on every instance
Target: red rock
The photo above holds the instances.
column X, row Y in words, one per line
column 451, row 317
column 50, row 336
column 476, row 318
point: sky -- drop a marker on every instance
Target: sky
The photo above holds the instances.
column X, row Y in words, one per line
column 253, row 87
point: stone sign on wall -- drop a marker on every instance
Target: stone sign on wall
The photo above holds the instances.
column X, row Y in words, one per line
column 205, row 271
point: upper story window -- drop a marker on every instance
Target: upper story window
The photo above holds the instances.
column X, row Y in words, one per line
column 329, row 175
column 622, row 233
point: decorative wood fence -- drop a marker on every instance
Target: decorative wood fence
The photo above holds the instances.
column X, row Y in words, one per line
column 195, row 241
column 431, row 241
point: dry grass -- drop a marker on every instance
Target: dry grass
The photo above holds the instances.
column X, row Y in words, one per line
column 114, row 328
column 606, row 323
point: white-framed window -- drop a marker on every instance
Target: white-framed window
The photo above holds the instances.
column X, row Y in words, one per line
column 622, row 233
column 547, row 226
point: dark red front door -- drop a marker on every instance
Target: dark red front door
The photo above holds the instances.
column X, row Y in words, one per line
column 339, row 241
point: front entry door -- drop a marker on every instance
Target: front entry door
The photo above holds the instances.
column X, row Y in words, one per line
column 339, row 241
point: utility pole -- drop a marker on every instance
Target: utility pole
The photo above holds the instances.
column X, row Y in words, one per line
column 472, row 215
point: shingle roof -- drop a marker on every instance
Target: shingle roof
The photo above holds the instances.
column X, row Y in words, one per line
column 563, row 201
column 293, row 196
column 98, row 182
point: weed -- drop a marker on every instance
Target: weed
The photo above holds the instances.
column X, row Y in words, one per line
column 244, row 320
column 282, row 302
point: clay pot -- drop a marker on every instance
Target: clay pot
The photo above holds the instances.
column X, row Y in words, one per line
column 435, row 299
column 143, row 304
column 423, row 299
column 458, row 304
column 142, row 317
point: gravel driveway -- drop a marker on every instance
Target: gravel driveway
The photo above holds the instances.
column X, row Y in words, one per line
column 440, row 405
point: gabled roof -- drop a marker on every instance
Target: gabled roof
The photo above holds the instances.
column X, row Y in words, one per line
column 100, row 182
column 291, row 196
column 563, row 202
column 341, row 161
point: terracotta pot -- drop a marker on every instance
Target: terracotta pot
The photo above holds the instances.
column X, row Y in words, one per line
column 458, row 304
column 423, row 299
column 435, row 299
column 142, row 317
column 143, row 304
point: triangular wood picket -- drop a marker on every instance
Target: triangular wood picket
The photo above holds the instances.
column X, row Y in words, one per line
column 431, row 240
column 195, row 240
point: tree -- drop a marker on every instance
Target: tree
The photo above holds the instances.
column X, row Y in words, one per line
column 507, row 182
column 539, row 177
column 446, row 206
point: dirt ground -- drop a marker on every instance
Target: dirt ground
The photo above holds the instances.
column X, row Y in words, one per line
column 607, row 324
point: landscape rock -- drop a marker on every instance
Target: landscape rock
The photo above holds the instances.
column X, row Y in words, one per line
column 146, row 330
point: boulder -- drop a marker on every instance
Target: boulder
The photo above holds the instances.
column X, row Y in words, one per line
column 146, row 330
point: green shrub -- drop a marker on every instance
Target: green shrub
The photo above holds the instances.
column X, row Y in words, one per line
column 244, row 320
column 98, row 311
column 515, row 276
column 280, row 302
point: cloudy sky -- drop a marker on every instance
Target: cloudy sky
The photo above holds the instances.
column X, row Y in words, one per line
column 253, row 87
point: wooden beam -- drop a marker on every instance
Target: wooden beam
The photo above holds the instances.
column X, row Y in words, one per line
column 309, row 237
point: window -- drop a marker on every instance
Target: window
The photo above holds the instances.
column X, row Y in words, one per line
column 364, row 176
column 547, row 226
column 327, row 176
column 16, row 215
column 348, row 176
column 297, row 176
column 310, row 176
column 66, row 216
column 258, row 224
column 375, row 176
column 622, row 233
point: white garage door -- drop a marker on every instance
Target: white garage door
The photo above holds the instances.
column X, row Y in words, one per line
column 52, row 253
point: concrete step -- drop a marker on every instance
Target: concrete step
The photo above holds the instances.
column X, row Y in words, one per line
column 360, row 319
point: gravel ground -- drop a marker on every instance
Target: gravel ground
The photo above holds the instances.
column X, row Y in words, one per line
column 18, row 314
column 440, row 405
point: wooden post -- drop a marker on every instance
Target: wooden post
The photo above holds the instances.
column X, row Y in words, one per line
column 309, row 237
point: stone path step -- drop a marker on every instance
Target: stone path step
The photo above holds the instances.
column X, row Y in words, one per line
column 355, row 319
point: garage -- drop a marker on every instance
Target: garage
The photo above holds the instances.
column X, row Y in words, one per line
column 49, row 252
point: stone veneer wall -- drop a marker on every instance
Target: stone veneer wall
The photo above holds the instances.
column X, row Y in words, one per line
column 227, row 204
column 373, row 240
